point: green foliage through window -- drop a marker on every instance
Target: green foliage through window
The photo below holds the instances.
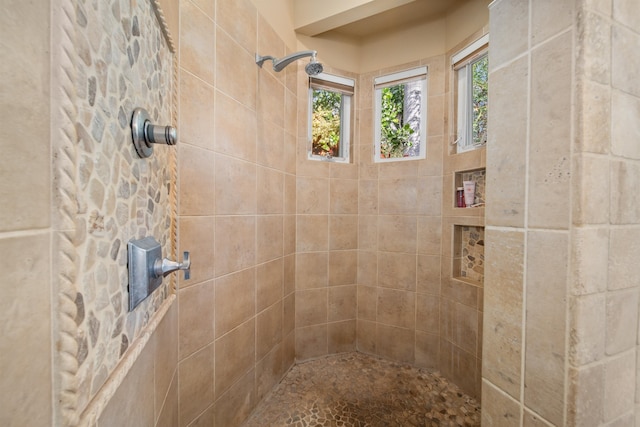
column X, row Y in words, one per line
column 480, row 93
column 395, row 135
column 325, row 122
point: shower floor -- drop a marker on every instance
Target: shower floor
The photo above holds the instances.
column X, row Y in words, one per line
column 355, row 389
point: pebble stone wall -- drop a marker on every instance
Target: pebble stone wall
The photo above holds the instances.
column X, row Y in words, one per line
column 124, row 62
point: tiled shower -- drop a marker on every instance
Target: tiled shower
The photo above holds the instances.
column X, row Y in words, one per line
column 294, row 259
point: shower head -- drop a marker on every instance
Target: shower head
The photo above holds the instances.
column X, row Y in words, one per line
column 312, row 68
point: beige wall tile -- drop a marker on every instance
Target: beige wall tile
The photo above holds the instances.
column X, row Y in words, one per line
column 197, row 178
column 623, row 245
column 435, row 119
column 341, row 336
column 498, row 409
column 461, row 292
column 268, row 329
column 235, row 355
column 239, row 19
column 133, row 403
column 312, row 233
column 624, row 209
column 235, row 187
column 367, row 169
column 588, row 329
column 207, row 6
column 548, row 18
column 589, row 260
column 237, row 403
column 398, row 196
column 166, row 366
column 625, row 12
column 289, row 194
column 366, row 336
column 429, row 235
column 235, row 244
column 623, row 60
column 594, row 60
column 396, row 170
column 168, row 408
column 503, row 298
column 550, row 164
column 530, row 419
column 427, row 350
column 396, row 308
column 428, row 280
column 510, row 26
column 312, row 270
column 288, row 314
column 289, row 237
column 311, row 308
column 368, row 232
column 506, row 145
column 291, row 116
column 397, row 270
column 465, row 329
column 195, row 379
column 395, row 343
column 594, row 130
column 342, row 268
column 25, row 348
column 312, row 195
column 591, row 190
column 625, row 129
column 622, row 321
column 270, row 143
column 343, row 194
column 619, row 385
column 368, row 197
column 197, row 237
column 235, row 296
column 269, row 283
column 197, row 309
column 342, row 303
column 545, row 327
column 311, row 342
column 269, row 238
column 197, row 42
column 343, row 232
column 197, row 107
column 289, row 275
column 235, row 75
column 289, row 154
column 397, row 233
column 26, row 105
column 429, row 196
column 270, row 98
column 367, row 302
column 268, row 372
column 270, row 191
column 433, row 165
column 269, row 43
column 428, row 313
column 235, row 128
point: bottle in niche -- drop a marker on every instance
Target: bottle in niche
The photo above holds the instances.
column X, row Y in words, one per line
column 460, row 197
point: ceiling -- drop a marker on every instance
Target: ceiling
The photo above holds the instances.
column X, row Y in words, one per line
column 419, row 11
column 361, row 23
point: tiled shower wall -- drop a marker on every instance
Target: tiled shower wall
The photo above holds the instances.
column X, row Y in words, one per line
column 561, row 297
column 236, row 212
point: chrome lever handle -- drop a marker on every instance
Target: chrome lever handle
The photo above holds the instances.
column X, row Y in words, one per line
column 165, row 266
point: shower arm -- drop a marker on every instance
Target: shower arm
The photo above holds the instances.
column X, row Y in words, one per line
column 279, row 64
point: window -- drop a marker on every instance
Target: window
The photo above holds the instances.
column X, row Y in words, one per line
column 471, row 67
column 330, row 117
column 401, row 115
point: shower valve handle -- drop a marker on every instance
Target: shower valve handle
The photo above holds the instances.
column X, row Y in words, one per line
column 145, row 133
column 165, row 266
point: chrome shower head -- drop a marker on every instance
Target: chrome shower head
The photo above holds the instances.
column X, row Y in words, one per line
column 312, row 68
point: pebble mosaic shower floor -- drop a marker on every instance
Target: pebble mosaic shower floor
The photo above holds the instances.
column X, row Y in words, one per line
column 354, row 389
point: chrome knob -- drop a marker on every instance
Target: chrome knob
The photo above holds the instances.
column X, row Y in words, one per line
column 165, row 266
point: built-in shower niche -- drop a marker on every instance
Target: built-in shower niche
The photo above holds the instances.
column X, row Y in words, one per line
column 476, row 175
column 468, row 253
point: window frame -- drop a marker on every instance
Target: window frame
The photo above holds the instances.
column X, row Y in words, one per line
column 418, row 74
column 462, row 63
column 336, row 84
